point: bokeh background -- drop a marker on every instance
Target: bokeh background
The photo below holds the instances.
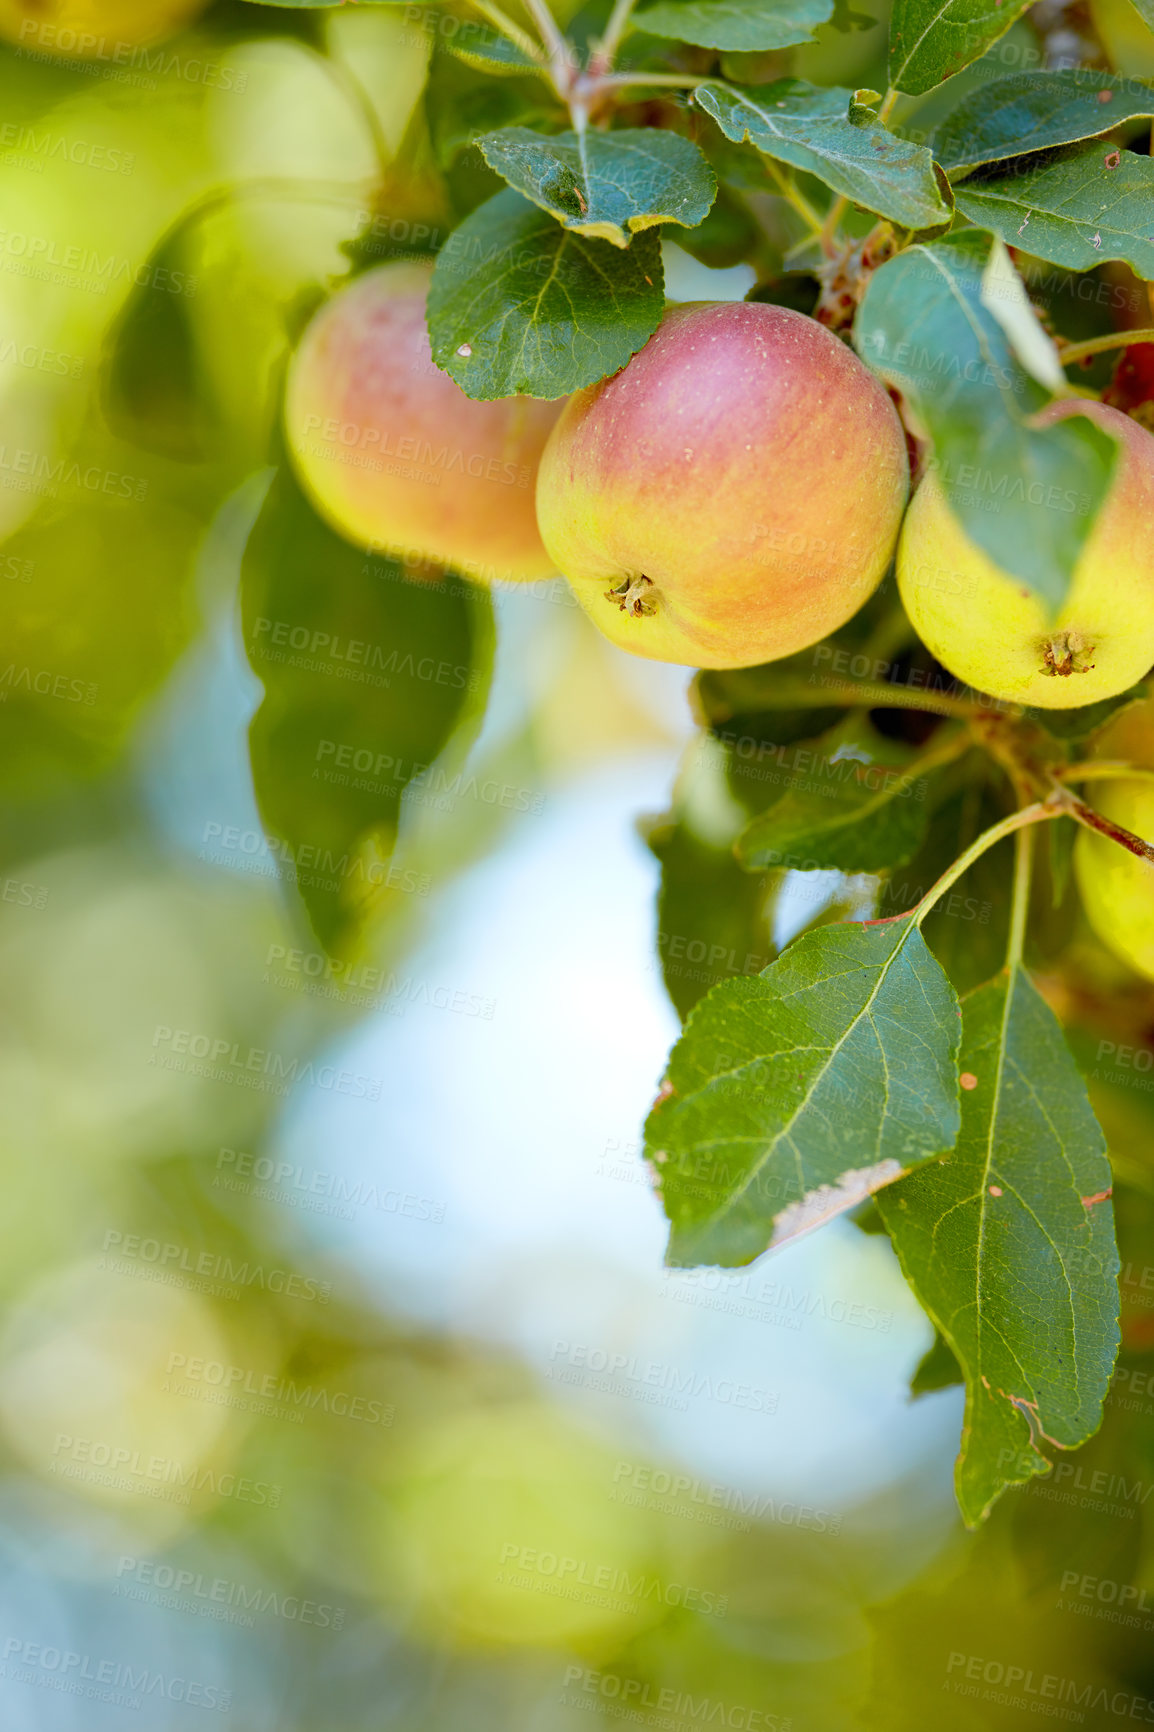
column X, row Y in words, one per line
column 341, row 1383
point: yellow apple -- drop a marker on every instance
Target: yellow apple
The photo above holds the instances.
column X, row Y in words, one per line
column 994, row 633
column 1117, row 887
column 92, row 29
column 732, row 495
column 391, row 451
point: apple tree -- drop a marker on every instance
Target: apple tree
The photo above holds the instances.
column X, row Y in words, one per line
column 951, row 774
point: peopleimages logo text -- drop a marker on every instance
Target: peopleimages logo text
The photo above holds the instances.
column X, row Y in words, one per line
column 223, row 1055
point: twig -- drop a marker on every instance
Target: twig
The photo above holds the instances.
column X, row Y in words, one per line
column 547, row 27
column 1019, row 908
column 795, row 197
column 616, row 80
column 603, row 55
column 878, row 695
column 1038, row 813
column 1106, row 771
column 1092, row 820
column 505, row 25
column 1068, row 353
column 833, row 217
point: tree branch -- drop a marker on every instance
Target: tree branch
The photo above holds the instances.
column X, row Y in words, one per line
column 1092, row 820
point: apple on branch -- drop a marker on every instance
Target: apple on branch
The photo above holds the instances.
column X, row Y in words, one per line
column 732, row 495
column 992, row 631
column 391, row 451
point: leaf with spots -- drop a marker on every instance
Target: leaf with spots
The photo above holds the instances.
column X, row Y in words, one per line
column 1092, row 203
column 518, row 303
column 1008, row 1243
column 606, row 185
column 795, row 1093
column 1032, row 111
column 810, row 128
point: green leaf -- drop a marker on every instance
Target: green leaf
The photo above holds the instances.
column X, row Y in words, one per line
column 1009, row 1244
column 1075, row 211
column 793, row 1095
column 858, row 803
column 966, row 929
column 930, row 40
column 711, row 916
column 606, row 185
column 519, row 303
column 937, row 1368
column 923, row 327
column 349, row 655
column 1036, row 111
column 737, row 25
column 461, row 103
column 156, row 391
column 493, row 54
column 1061, row 856
column 1076, row 725
column 729, row 235
column 809, row 127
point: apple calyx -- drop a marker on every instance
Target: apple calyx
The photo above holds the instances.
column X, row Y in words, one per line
column 1067, row 652
column 632, row 597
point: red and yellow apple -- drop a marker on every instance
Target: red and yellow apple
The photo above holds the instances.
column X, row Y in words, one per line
column 1117, row 887
column 993, row 632
column 391, row 451
column 732, row 495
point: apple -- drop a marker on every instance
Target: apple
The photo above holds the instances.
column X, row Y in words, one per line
column 1117, row 887
column 86, row 29
column 732, row 495
column 391, row 451
column 994, row 633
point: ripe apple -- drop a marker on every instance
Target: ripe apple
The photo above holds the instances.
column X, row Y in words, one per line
column 732, row 495
column 1117, row 887
column 79, row 28
column 394, row 454
column 993, row 632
